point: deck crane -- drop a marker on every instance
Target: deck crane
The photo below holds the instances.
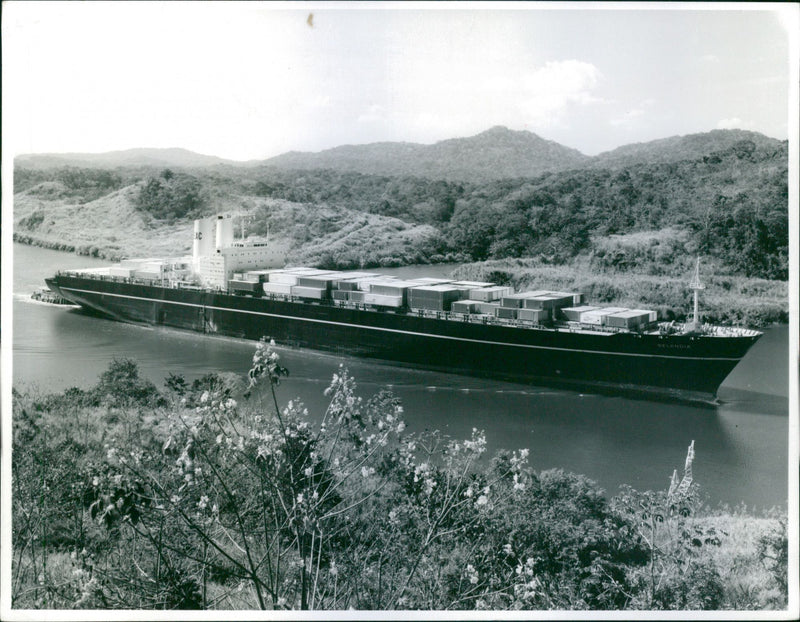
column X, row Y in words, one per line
column 696, row 286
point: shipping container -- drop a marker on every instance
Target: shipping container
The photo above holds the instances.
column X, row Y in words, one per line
column 465, row 306
column 573, row 314
column 632, row 319
column 365, row 283
column 356, row 296
column 147, row 275
column 277, row 288
column 542, row 302
column 507, row 313
column 347, row 286
column 387, row 287
column 534, row 315
column 472, row 284
column 596, row 317
column 313, row 293
column 380, row 300
column 259, row 276
column 324, row 281
column 549, row 300
column 652, row 316
column 429, row 280
column 513, row 301
column 245, row 286
column 488, row 308
column 351, row 278
column 489, row 294
column 284, row 278
column 434, row 297
column 339, row 294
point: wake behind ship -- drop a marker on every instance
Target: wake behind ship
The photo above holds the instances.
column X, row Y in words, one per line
column 476, row 328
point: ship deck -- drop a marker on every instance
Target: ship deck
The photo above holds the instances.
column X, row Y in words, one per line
column 658, row 328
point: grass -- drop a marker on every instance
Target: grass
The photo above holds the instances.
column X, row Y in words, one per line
column 748, row 582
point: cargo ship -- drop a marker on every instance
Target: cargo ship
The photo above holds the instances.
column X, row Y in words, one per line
column 541, row 337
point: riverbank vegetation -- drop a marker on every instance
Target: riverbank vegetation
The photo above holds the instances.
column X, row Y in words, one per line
column 223, row 494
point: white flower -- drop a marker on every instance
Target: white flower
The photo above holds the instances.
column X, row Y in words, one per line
column 472, row 574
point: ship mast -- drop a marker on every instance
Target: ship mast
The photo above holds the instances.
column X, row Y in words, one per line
column 696, row 285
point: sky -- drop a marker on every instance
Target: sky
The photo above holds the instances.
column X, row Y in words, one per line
column 253, row 80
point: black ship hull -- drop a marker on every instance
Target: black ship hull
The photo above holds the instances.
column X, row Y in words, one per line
column 682, row 366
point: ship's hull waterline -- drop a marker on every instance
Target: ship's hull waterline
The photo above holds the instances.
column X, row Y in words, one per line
column 680, row 366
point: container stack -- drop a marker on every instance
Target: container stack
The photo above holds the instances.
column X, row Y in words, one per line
column 632, row 319
column 474, row 307
column 283, row 281
column 382, row 300
column 243, row 286
column 258, row 276
column 537, row 316
column 573, row 314
column 309, row 293
column 597, row 316
column 434, row 297
column 386, row 289
column 490, row 293
column 429, row 280
column 349, row 281
column 148, row 269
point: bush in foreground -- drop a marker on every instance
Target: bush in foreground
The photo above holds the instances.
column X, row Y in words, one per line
column 194, row 499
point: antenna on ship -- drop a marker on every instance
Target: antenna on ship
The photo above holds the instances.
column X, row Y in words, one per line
column 696, row 285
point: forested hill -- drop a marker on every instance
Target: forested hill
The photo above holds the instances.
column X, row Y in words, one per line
column 127, row 158
column 690, row 147
column 493, row 154
column 653, row 208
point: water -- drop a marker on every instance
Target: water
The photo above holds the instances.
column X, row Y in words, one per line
column 742, row 445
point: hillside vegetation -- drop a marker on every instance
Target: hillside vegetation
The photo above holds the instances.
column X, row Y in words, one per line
column 645, row 209
column 220, row 494
column 497, row 152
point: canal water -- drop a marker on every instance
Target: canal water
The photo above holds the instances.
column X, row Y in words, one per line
column 741, row 445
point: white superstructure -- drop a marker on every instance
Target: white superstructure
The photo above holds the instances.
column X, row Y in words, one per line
column 216, row 256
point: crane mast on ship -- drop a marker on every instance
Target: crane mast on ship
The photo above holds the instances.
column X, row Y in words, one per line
column 696, row 286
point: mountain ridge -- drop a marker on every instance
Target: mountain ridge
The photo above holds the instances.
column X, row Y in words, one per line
column 496, row 153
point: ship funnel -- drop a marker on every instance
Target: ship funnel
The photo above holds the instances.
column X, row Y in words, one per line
column 203, row 243
column 224, row 232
